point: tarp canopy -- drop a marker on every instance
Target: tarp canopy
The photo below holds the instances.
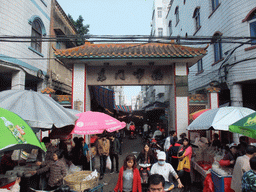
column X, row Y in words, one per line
column 219, row 118
column 154, row 106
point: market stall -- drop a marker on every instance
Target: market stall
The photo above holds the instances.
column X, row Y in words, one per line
column 206, row 157
column 19, row 145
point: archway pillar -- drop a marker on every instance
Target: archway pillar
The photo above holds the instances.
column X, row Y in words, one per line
column 80, row 91
column 181, row 97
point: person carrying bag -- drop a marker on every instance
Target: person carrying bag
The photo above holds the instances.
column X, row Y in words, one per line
column 184, row 156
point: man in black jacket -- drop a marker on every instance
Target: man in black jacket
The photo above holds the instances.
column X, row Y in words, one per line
column 114, row 151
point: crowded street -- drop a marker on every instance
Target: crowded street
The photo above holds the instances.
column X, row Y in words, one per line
column 129, row 146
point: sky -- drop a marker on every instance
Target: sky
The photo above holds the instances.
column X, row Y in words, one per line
column 113, row 17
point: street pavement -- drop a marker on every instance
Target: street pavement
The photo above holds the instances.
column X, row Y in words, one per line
column 129, row 146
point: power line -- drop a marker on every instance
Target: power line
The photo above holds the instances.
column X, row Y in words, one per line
column 129, row 38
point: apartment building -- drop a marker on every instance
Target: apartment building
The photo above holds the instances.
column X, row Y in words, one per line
column 230, row 63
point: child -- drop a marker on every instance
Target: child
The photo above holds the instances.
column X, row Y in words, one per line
column 129, row 176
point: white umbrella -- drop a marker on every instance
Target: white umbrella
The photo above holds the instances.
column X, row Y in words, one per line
column 219, row 118
column 37, row 109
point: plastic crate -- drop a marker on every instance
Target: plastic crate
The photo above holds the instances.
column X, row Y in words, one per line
column 221, row 183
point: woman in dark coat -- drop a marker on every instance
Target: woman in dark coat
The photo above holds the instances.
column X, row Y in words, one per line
column 146, row 156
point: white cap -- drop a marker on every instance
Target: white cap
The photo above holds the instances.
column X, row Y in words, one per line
column 161, row 155
column 232, row 145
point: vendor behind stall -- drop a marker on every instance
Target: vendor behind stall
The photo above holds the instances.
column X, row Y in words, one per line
column 57, row 171
column 230, row 157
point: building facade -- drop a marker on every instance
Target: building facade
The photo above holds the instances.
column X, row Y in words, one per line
column 24, row 61
column 60, row 77
column 228, row 65
column 158, row 24
column 152, row 93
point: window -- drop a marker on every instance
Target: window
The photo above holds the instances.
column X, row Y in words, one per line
column 215, row 4
column 58, row 42
column 160, row 32
column 37, row 31
column 159, row 12
column 200, row 66
column 36, row 41
column 252, row 23
column 177, row 15
column 217, row 47
column 170, row 28
column 251, row 19
column 196, row 16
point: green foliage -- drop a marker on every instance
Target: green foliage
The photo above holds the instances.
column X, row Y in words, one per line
column 81, row 29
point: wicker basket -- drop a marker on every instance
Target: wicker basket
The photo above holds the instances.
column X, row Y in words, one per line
column 76, row 183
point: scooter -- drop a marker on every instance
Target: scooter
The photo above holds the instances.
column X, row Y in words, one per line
column 144, row 174
column 132, row 135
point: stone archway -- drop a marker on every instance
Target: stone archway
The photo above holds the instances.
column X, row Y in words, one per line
column 133, row 64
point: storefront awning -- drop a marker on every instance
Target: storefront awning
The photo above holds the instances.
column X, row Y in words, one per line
column 123, row 108
column 104, row 97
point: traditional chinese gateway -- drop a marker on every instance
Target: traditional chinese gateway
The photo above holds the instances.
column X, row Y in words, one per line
column 133, row 64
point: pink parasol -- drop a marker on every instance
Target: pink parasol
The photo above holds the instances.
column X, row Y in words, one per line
column 95, row 123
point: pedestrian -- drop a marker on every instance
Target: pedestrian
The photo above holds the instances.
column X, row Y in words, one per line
column 164, row 169
column 146, row 156
column 132, row 129
column 242, row 165
column 216, row 142
column 47, row 161
column 249, row 178
column 156, row 182
column 184, row 155
column 114, row 152
column 157, row 134
column 129, row 179
column 173, row 153
column 168, row 140
column 57, row 171
column 63, row 146
column 49, row 153
column 145, row 129
column 85, row 162
column 230, row 157
column 77, row 151
column 242, row 145
column 119, row 136
column 182, row 136
column 103, row 146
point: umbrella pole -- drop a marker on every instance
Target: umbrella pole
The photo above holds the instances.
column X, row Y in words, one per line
column 19, row 158
column 90, row 152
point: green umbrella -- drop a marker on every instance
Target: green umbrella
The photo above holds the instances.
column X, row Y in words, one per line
column 245, row 126
column 16, row 133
